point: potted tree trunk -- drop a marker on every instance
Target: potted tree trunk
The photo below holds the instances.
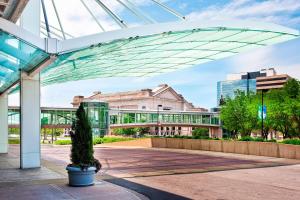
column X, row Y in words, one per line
column 83, row 165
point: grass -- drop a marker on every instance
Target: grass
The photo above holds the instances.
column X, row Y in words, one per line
column 246, row 138
column 97, row 140
column 252, row 139
column 111, row 140
column 63, row 142
column 291, row 141
column 13, row 141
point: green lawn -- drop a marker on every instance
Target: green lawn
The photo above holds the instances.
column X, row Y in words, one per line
column 97, row 140
column 14, row 141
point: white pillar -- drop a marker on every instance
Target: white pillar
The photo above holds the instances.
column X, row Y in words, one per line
column 3, row 123
column 30, row 121
column 30, row 97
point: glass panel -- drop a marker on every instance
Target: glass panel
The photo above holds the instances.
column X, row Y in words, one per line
column 16, row 55
column 155, row 54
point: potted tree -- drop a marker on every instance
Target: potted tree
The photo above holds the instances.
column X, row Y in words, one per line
column 84, row 166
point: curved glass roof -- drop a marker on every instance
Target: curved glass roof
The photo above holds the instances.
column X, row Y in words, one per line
column 158, row 53
column 140, row 51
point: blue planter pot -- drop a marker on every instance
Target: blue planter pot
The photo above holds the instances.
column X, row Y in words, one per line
column 79, row 178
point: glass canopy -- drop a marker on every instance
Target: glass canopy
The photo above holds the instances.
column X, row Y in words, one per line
column 140, row 51
column 158, row 53
column 16, row 55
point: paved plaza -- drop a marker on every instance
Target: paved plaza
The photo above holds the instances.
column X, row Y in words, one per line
column 155, row 173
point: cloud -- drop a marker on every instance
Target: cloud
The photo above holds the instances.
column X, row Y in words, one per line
column 276, row 11
column 253, row 60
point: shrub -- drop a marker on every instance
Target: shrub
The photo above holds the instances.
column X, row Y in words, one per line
column 260, row 139
column 200, row 132
column 292, row 141
column 246, row 138
column 272, row 140
column 82, row 153
column 63, row 142
column 97, row 140
column 125, row 131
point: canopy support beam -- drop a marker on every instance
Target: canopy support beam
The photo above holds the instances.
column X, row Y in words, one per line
column 93, row 16
column 3, row 123
column 58, row 19
column 117, row 19
column 169, row 9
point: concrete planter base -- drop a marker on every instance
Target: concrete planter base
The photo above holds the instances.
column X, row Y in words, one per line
column 81, row 178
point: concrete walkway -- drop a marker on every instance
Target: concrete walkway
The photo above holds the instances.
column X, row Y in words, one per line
column 56, row 190
column 50, row 183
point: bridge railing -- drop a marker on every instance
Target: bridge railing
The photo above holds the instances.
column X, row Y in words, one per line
column 65, row 116
column 131, row 117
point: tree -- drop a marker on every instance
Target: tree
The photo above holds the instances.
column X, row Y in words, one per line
column 292, row 91
column 82, row 153
column 239, row 115
column 284, row 109
column 143, row 130
column 292, row 88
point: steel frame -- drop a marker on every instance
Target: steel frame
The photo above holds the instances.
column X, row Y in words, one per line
column 55, row 47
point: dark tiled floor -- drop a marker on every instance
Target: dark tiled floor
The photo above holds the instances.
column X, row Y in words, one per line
column 140, row 162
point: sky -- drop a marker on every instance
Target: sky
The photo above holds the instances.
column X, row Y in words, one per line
column 197, row 84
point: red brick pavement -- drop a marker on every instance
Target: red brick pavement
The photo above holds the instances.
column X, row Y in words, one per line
column 140, row 161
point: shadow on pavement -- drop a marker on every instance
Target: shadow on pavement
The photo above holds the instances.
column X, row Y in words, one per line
column 151, row 193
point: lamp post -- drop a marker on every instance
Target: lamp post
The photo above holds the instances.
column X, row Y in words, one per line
column 262, row 113
column 158, row 127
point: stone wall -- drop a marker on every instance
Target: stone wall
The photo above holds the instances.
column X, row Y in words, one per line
column 145, row 142
column 269, row 149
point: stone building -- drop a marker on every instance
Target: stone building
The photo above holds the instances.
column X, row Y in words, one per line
column 163, row 97
column 144, row 99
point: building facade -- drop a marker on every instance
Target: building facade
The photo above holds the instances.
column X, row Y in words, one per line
column 245, row 82
column 161, row 98
column 271, row 82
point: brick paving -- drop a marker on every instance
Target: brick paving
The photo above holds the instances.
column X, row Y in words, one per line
column 157, row 174
column 131, row 162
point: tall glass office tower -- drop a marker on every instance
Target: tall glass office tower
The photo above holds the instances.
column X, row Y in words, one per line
column 227, row 89
column 245, row 82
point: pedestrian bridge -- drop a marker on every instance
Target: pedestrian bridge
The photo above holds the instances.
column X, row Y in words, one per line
column 63, row 117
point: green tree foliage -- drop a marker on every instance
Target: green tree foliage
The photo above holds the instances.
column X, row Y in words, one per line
column 82, row 141
column 240, row 115
column 131, row 131
column 200, row 133
column 143, row 130
column 125, row 131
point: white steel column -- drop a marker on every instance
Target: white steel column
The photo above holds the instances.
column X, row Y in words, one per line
column 3, row 123
column 30, row 121
column 30, row 97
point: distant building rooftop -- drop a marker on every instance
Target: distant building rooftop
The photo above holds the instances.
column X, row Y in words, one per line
column 271, row 82
column 144, row 99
